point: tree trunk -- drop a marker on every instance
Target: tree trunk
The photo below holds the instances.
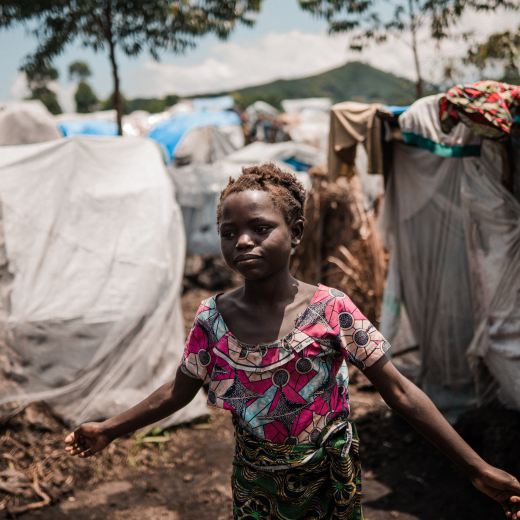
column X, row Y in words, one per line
column 413, row 28
column 116, row 98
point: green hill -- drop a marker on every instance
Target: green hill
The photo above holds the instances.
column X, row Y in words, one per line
column 354, row 81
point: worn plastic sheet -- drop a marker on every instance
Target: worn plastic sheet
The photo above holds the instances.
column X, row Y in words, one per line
column 95, row 241
column 27, row 122
column 492, row 223
column 170, row 132
column 454, row 236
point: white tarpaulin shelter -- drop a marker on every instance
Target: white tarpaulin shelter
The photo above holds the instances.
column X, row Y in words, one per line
column 298, row 105
column 453, row 231
column 95, row 242
column 27, row 122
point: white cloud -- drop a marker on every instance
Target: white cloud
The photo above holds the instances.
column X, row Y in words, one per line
column 232, row 65
column 19, row 89
column 65, row 94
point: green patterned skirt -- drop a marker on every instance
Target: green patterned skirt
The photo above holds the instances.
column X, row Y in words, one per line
column 301, row 482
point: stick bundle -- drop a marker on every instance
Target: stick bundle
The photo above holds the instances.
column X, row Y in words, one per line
column 341, row 247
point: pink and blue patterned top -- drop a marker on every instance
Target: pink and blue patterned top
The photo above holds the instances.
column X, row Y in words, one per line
column 288, row 390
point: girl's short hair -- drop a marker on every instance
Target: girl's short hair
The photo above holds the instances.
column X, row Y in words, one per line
column 284, row 188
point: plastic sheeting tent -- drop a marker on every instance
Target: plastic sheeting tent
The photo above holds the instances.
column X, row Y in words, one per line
column 202, row 146
column 95, row 243
column 170, row 132
column 314, row 104
column 27, row 122
column 453, row 232
column 213, row 103
column 89, row 127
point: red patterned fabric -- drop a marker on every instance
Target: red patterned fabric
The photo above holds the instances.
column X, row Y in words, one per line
column 286, row 391
column 487, row 107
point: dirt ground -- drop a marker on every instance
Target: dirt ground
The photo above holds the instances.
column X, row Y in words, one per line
column 184, row 473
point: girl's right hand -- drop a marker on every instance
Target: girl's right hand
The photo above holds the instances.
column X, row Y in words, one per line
column 87, row 440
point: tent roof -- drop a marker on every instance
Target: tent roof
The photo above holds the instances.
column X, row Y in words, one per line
column 213, row 103
column 27, row 122
column 89, row 127
column 169, row 133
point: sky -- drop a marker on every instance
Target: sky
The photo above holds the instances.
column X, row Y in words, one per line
column 285, row 42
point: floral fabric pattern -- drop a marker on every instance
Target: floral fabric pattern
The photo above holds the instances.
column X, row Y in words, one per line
column 328, row 486
column 487, row 107
column 285, row 391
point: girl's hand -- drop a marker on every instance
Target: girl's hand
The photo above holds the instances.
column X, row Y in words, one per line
column 87, row 440
column 502, row 487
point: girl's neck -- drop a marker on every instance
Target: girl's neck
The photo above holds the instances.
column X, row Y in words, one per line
column 278, row 288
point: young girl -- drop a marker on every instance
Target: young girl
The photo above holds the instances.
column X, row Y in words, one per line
column 273, row 353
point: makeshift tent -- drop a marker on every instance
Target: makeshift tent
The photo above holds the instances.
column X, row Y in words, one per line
column 198, row 187
column 202, row 146
column 27, row 122
column 298, row 105
column 103, row 123
column 89, row 127
column 453, row 232
column 213, row 103
column 170, row 132
column 95, row 245
column 100, row 115
column 261, row 110
column 300, row 156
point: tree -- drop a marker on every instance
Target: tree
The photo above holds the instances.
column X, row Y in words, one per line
column 38, row 79
column 108, row 104
column 365, row 20
column 129, row 26
column 171, row 99
column 86, row 100
column 499, row 49
column 80, row 71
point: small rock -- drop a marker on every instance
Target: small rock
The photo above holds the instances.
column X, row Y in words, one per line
column 57, row 477
column 369, row 475
column 408, row 438
column 68, row 484
column 394, row 514
column 188, row 477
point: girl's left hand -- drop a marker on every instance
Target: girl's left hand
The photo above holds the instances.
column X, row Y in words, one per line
column 502, row 487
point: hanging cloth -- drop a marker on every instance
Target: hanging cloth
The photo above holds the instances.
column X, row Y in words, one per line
column 352, row 123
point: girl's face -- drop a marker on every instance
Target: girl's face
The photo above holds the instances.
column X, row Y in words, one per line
column 255, row 239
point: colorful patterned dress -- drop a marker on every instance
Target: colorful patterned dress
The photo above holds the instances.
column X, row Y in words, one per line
column 296, row 452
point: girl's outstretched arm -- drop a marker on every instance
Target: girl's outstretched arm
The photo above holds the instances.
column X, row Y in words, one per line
column 412, row 404
column 91, row 438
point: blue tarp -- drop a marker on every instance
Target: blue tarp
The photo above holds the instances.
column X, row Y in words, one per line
column 394, row 109
column 297, row 165
column 169, row 133
column 214, row 103
column 89, row 127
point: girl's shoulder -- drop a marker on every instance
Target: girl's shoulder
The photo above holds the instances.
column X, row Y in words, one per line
column 334, row 297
